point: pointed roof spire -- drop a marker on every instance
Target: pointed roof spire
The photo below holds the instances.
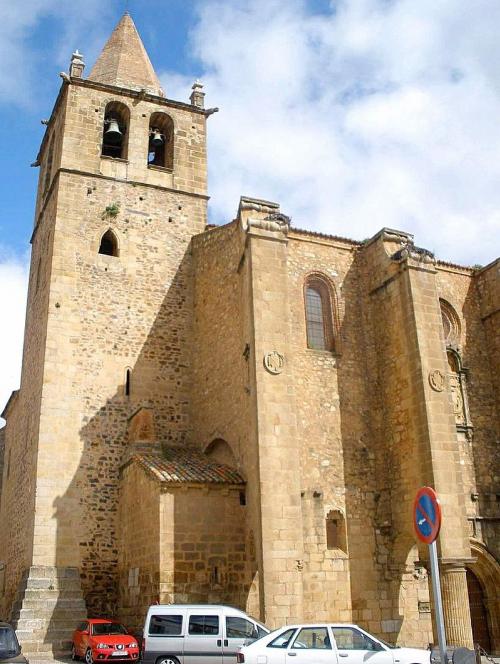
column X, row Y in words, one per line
column 124, row 62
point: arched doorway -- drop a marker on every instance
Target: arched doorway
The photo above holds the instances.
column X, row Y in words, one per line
column 478, row 614
column 483, row 580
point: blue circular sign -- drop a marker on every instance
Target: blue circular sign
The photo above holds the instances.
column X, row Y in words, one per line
column 427, row 515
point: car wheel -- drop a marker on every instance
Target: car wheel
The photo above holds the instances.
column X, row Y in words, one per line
column 88, row 657
column 74, row 656
column 167, row 660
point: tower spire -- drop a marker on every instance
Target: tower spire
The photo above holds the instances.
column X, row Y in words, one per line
column 124, row 61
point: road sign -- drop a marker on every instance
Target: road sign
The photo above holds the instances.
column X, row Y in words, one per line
column 427, row 515
column 427, row 522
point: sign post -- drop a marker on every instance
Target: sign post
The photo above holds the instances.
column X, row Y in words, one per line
column 427, row 523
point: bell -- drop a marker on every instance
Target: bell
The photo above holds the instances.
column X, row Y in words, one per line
column 113, row 133
column 156, row 138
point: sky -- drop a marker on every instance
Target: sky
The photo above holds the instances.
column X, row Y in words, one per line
column 352, row 114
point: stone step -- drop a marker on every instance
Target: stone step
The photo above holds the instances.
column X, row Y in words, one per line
column 51, row 584
column 40, row 623
column 43, row 640
column 48, row 606
column 42, row 595
column 37, row 572
column 34, row 656
column 50, row 603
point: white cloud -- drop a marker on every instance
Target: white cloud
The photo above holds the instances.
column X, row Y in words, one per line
column 380, row 113
column 21, row 62
column 13, row 287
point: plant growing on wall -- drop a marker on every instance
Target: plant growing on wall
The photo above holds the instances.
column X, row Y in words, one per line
column 111, row 211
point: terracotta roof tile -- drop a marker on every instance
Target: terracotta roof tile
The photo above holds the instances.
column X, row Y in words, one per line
column 189, row 465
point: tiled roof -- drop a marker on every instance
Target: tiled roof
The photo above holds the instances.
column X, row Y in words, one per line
column 187, row 466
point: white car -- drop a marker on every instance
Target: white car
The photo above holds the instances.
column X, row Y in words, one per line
column 327, row 643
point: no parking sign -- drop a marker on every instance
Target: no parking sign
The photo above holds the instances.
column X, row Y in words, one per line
column 427, row 515
column 427, row 522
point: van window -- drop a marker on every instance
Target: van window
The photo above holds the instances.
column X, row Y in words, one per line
column 239, row 628
column 261, row 631
column 204, row 625
column 165, row 625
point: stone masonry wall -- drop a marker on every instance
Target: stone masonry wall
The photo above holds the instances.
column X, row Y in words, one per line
column 320, row 425
column 2, row 458
column 182, row 544
column 481, row 476
column 387, row 318
column 222, row 370
column 140, row 544
column 107, row 314
column 207, row 528
column 282, row 547
column 21, row 432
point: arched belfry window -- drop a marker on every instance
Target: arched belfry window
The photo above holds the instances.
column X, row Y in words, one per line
column 109, row 244
column 319, row 313
column 115, row 130
column 161, row 141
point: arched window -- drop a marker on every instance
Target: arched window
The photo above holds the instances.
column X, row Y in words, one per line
column 161, row 141
column 109, row 244
column 115, row 130
column 319, row 314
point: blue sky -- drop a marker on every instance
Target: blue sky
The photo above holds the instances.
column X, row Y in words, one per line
column 164, row 26
column 353, row 114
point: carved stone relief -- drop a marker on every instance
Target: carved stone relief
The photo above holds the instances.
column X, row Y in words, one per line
column 436, row 380
column 274, row 362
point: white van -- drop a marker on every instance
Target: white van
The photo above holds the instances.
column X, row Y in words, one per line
column 197, row 634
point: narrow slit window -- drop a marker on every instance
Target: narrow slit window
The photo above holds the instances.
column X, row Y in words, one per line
column 109, row 244
column 48, row 166
column 127, row 383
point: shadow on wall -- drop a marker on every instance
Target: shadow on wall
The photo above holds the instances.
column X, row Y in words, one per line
column 479, row 449
column 384, row 580
column 88, row 525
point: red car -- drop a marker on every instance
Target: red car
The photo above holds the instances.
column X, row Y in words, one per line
column 98, row 639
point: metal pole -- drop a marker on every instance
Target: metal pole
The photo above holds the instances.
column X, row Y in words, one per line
column 438, row 605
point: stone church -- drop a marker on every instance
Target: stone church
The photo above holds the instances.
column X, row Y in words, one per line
column 241, row 413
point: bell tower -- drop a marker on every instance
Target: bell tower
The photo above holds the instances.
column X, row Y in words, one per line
column 122, row 190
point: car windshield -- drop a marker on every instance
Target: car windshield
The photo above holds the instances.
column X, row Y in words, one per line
column 9, row 646
column 101, row 629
